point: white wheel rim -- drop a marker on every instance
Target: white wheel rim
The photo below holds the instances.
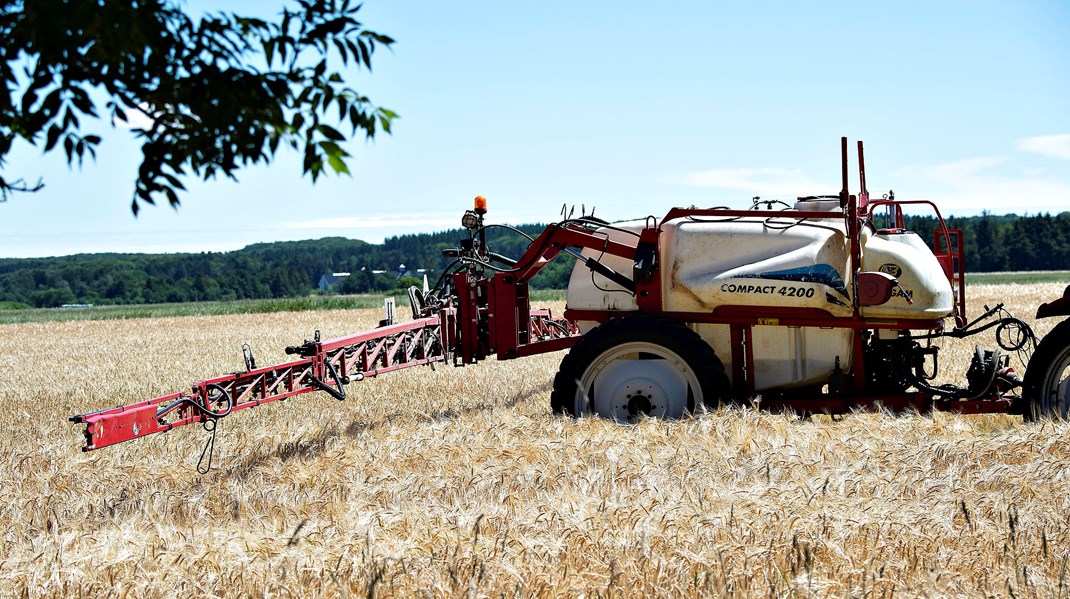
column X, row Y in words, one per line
column 1055, row 398
column 633, row 380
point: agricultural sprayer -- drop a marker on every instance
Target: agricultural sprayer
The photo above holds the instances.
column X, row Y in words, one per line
column 825, row 306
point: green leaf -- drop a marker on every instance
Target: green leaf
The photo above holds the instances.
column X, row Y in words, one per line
column 338, row 164
column 172, row 197
column 70, row 119
column 145, row 195
column 269, row 52
column 330, row 133
column 333, row 149
column 51, row 104
column 81, row 101
column 341, row 52
column 365, row 55
column 173, row 181
column 53, row 136
column 28, row 100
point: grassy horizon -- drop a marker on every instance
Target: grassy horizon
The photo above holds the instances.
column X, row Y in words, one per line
column 11, row 315
column 251, row 306
column 1019, row 278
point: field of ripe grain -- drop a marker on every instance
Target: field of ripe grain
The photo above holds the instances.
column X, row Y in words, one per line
column 459, row 482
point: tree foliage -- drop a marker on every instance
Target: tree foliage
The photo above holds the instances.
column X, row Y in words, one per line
column 264, row 270
column 294, row 268
column 1007, row 243
column 218, row 93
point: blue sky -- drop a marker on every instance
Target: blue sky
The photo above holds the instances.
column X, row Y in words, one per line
column 632, row 107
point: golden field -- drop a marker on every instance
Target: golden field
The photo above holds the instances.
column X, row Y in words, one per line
column 460, row 482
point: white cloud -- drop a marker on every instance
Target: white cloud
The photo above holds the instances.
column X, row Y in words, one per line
column 768, row 181
column 998, row 184
column 1053, row 146
column 963, row 170
column 969, row 186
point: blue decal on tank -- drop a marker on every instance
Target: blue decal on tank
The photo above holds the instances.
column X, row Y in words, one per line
column 824, row 274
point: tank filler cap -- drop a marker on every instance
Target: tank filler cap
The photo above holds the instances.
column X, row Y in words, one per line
column 818, row 204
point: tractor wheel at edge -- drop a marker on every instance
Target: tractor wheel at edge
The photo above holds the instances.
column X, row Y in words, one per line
column 1046, row 388
column 639, row 366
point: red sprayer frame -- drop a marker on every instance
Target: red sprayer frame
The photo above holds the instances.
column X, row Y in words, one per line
column 491, row 315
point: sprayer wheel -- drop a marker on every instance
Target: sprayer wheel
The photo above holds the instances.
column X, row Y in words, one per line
column 639, row 366
column 1046, row 388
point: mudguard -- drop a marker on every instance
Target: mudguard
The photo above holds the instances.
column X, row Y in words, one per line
column 1059, row 307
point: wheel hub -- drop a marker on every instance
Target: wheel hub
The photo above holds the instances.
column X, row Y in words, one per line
column 630, row 389
column 639, row 404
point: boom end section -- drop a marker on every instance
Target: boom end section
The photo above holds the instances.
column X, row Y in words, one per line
column 120, row 424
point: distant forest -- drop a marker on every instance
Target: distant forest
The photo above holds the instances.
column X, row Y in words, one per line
column 263, row 270
column 1008, row 243
column 294, row 268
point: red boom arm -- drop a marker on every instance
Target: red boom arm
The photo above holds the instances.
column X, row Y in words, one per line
column 324, row 366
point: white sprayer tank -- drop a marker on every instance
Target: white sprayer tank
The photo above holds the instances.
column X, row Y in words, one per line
column 778, row 263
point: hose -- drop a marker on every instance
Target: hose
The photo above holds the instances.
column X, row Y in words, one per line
column 202, row 408
column 223, row 392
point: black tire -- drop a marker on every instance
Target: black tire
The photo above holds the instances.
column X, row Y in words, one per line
column 1047, row 373
column 617, row 350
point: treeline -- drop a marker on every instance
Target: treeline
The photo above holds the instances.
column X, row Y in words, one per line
column 266, row 270
column 1007, row 243
column 294, row 268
